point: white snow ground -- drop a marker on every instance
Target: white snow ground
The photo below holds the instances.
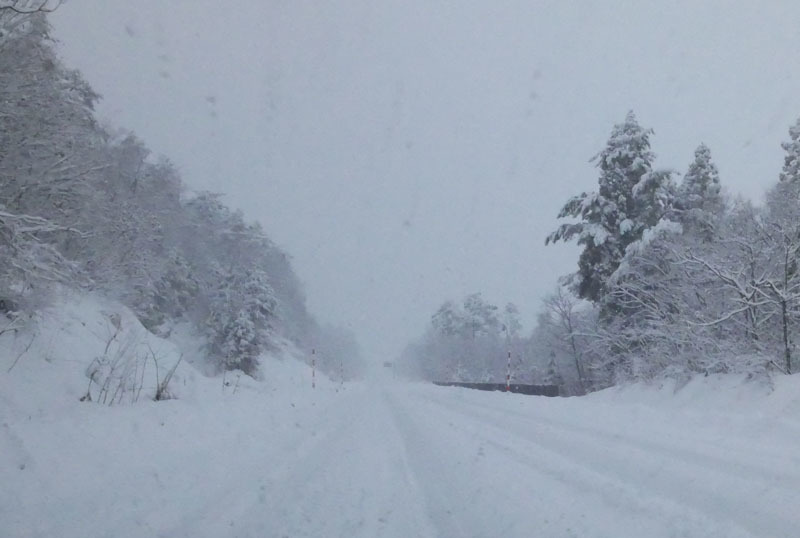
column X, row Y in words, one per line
column 716, row 458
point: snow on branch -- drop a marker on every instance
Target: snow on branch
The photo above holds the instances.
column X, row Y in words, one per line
column 26, row 253
column 29, row 8
column 27, row 224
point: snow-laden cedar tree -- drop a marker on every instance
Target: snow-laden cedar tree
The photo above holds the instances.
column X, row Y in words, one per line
column 631, row 198
column 699, row 203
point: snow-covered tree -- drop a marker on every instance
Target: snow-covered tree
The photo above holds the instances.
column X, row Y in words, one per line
column 17, row 15
column 171, row 297
column 791, row 161
column 511, row 323
column 553, row 375
column 239, row 325
column 466, row 342
column 562, row 307
column 479, row 316
column 699, row 202
column 50, row 146
column 29, row 261
column 48, row 141
column 781, row 230
column 631, row 198
column 81, row 205
column 729, row 279
column 448, row 320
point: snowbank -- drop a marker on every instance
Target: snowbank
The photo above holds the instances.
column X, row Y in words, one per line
column 48, row 363
column 78, row 468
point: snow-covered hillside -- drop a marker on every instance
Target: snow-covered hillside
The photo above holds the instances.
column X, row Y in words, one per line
column 47, row 362
column 72, row 467
column 716, row 457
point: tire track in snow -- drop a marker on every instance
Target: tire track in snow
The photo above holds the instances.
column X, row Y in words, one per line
column 350, row 480
column 529, row 489
column 780, row 469
column 426, row 464
column 358, row 484
column 721, row 491
column 245, row 482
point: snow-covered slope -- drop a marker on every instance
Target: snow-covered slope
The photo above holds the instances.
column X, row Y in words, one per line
column 47, row 363
column 716, row 457
column 78, row 468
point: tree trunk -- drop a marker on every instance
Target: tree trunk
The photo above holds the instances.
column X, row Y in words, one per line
column 787, row 350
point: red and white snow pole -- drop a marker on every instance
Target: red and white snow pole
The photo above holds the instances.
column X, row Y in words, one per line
column 508, row 373
column 313, row 368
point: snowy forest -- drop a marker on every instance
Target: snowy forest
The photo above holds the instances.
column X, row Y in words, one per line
column 87, row 207
column 675, row 279
column 287, row 269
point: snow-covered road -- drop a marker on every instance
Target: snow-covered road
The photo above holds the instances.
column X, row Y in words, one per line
column 507, row 471
column 405, row 461
column 422, row 461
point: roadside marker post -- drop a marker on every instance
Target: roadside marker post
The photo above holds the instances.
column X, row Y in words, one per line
column 508, row 373
column 313, row 368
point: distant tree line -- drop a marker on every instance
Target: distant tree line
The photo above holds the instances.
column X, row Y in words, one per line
column 86, row 207
column 465, row 342
column 675, row 279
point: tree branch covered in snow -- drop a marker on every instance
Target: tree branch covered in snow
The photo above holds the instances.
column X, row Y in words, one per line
column 28, row 7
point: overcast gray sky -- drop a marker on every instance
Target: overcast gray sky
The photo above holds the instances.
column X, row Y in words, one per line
column 406, row 152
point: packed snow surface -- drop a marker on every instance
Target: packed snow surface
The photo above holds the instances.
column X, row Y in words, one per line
column 717, row 457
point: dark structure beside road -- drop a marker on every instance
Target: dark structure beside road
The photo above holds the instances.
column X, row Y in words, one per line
column 531, row 390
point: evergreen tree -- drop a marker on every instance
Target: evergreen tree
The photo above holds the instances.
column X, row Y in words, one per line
column 631, row 198
column 239, row 326
column 553, row 374
column 171, row 297
column 782, row 233
column 791, row 162
column 699, row 200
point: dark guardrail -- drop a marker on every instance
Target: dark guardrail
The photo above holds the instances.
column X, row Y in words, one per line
column 532, row 390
